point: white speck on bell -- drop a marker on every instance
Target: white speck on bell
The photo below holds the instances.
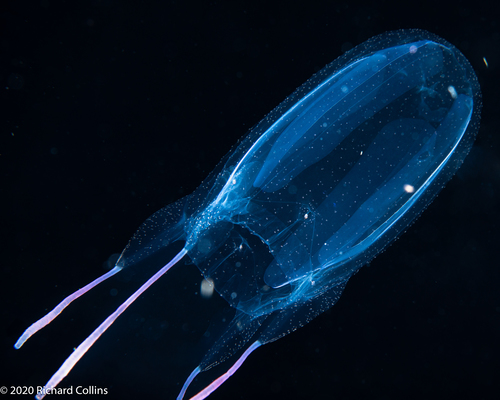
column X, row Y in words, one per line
column 409, row 188
column 207, row 288
column 452, row 92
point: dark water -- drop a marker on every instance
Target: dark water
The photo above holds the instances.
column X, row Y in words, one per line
column 110, row 110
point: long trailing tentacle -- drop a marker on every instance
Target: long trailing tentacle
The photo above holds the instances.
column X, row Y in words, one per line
column 87, row 343
column 221, row 379
column 190, row 378
column 48, row 318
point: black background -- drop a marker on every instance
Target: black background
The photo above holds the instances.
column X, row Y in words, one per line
column 112, row 109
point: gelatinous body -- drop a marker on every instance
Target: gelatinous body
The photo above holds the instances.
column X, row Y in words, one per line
column 316, row 190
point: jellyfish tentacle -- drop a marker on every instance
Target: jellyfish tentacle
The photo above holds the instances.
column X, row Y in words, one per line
column 221, row 379
column 48, row 318
column 190, row 379
column 92, row 338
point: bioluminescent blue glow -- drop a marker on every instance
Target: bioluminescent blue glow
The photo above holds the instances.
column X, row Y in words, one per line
column 314, row 191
